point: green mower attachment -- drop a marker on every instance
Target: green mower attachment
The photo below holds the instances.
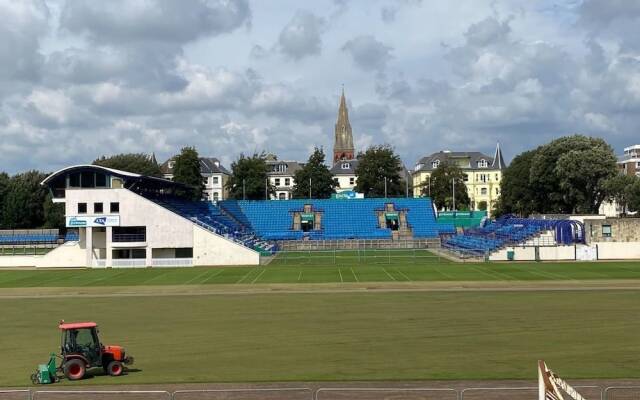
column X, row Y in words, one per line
column 46, row 373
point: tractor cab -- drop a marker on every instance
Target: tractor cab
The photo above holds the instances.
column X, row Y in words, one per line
column 81, row 339
column 81, row 349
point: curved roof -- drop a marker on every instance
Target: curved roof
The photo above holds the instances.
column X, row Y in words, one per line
column 115, row 172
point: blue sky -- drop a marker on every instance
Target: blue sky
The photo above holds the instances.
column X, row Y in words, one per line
column 85, row 78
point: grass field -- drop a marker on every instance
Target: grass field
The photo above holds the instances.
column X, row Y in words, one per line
column 339, row 336
column 278, row 273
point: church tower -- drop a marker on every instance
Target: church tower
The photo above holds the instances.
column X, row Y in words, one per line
column 343, row 143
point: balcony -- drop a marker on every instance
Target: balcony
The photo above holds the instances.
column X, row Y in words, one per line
column 129, row 238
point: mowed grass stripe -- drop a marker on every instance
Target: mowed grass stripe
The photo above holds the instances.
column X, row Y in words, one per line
column 321, row 274
column 381, row 336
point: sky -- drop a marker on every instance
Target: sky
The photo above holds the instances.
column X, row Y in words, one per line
column 84, row 78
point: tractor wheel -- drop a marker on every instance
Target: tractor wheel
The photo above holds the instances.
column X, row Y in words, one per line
column 74, row 369
column 115, row 368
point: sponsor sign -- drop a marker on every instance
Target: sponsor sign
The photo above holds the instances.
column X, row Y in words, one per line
column 92, row 221
column 347, row 195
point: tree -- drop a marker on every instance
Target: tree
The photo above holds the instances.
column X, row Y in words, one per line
column 53, row 214
column 482, row 205
column 4, row 187
column 23, row 203
column 137, row 163
column 517, row 195
column 571, row 172
column 442, row 187
column 375, row 166
column 316, row 172
column 633, row 196
column 619, row 188
column 249, row 177
column 567, row 175
column 186, row 170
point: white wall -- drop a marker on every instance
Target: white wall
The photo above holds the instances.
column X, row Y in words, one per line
column 67, row 255
column 210, row 249
column 165, row 229
column 343, row 181
column 546, row 253
column 618, row 250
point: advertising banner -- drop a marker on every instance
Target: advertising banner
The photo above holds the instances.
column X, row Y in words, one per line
column 92, row 221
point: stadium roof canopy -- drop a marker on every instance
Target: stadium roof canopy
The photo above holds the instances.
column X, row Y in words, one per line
column 130, row 179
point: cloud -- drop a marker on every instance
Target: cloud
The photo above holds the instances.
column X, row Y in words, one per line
column 23, row 25
column 388, row 13
column 368, row 53
column 301, row 37
column 171, row 21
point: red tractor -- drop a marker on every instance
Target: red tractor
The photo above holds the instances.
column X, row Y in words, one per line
column 81, row 350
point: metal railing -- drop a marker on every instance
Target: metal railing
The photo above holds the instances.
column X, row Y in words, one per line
column 172, row 262
column 354, row 244
column 129, row 262
column 591, row 392
column 129, row 237
column 358, row 256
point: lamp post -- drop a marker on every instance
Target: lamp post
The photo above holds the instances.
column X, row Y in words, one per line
column 385, row 187
column 244, row 190
column 309, row 188
column 453, row 181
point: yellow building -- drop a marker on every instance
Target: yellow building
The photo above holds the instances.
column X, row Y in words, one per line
column 482, row 174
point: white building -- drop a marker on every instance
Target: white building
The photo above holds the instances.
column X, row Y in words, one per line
column 122, row 222
column 344, row 174
column 281, row 176
column 214, row 177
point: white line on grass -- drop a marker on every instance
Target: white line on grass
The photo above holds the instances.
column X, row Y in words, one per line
column 259, row 275
column 206, row 271
column 340, row 272
column 354, row 275
column 155, row 277
column 388, row 274
column 300, row 276
column 212, row 276
column 401, row 273
column 243, row 278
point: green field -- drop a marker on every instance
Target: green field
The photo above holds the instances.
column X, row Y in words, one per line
column 339, row 336
column 274, row 273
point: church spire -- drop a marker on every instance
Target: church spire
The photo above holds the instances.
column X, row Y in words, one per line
column 343, row 143
column 498, row 160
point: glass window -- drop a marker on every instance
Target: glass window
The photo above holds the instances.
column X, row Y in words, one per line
column 287, row 181
column 435, row 164
column 74, row 180
column 282, row 196
column 215, row 180
column 483, row 191
column 606, row 230
column 97, row 208
column 216, row 196
column 336, row 181
column 82, row 208
column 482, row 163
column 277, row 181
column 185, row 252
column 87, row 180
column 466, row 178
column 101, row 180
column 114, row 207
column 345, row 165
column 352, row 181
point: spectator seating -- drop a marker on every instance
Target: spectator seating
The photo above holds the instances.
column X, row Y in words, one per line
column 509, row 230
column 35, row 237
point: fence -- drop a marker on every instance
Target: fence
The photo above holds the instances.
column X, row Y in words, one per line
column 333, row 393
column 359, row 256
column 355, row 244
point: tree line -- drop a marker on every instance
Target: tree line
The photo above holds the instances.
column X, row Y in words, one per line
column 572, row 174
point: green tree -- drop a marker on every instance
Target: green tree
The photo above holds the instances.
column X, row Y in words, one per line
column 137, row 163
column 249, row 177
column 633, row 196
column 4, row 187
column 23, row 206
column 442, row 187
column 375, row 166
column 316, row 172
column 186, row 170
column 53, row 214
column 482, row 205
column 517, row 194
column 619, row 188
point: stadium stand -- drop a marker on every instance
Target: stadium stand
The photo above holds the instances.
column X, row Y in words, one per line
column 341, row 219
column 36, row 237
column 213, row 218
column 508, row 230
